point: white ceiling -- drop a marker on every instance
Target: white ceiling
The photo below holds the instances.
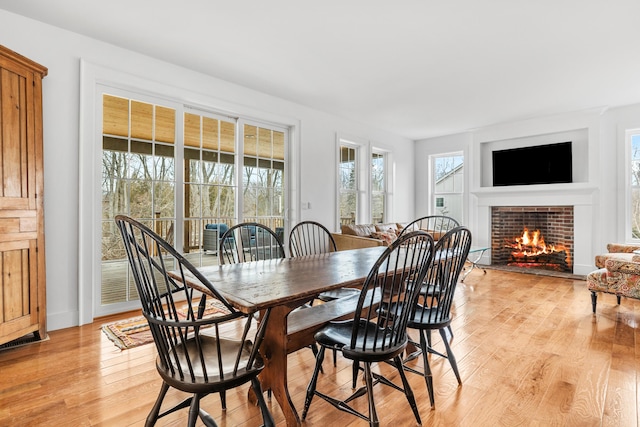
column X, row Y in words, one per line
column 418, row 68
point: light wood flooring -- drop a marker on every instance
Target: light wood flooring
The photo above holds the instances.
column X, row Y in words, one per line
column 529, row 351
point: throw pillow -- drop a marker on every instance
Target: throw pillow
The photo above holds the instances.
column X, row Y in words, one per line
column 387, row 238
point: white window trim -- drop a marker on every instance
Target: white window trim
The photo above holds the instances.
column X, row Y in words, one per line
column 432, row 183
column 89, row 211
column 388, row 181
column 365, row 148
column 629, row 133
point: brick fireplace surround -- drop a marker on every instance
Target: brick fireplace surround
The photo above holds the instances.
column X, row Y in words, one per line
column 555, row 223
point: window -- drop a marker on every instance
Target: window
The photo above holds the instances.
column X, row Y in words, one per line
column 138, row 174
column 633, row 209
column 379, row 197
column 448, row 185
column 263, row 177
column 348, row 185
column 142, row 145
column 363, row 183
column 209, row 176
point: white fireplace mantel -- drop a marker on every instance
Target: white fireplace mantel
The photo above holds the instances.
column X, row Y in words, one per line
column 537, row 195
column 581, row 196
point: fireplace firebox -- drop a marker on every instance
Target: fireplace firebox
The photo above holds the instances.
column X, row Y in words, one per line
column 532, row 237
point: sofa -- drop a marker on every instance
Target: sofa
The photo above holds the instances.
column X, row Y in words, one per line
column 618, row 273
column 359, row 236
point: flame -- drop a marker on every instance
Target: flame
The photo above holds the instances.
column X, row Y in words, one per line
column 532, row 243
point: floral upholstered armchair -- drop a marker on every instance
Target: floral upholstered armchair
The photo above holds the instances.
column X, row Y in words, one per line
column 618, row 273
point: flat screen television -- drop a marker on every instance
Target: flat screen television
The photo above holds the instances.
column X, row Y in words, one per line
column 540, row 164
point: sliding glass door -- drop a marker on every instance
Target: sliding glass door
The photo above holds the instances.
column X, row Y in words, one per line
column 177, row 169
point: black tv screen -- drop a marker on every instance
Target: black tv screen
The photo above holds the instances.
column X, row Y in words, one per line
column 540, row 164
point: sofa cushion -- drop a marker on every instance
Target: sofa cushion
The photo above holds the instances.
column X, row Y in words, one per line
column 437, row 235
column 391, row 227
column 362, row 230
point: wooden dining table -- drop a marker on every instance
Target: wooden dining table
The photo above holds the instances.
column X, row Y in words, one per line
column 279, row 286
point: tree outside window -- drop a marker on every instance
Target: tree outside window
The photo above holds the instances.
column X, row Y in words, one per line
column 378, row 188
column 348, row 192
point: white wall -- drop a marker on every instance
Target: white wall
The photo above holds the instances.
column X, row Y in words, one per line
column 440, row 145
column 61, row 52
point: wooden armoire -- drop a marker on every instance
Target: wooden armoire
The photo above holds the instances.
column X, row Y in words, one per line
column 22, row 255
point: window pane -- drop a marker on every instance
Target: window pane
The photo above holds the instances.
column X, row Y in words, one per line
column 347, row 208
column 165, row 124
column 377, row 207
column 635, row 213
column 225, row 173
column 635, row 147
column 141, row 160
column 635, row 187
column 448, row 186
column 114, row 197
column 192, row 195
column 141, row 120
column 377, row 172
column 164, row 163
column 140, row 198
column 164, row 199
column 138, row 179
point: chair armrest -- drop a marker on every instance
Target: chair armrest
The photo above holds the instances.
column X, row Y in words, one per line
column 624, row 264
column 621, row 248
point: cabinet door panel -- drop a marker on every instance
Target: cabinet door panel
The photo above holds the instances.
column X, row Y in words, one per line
column 17, row 299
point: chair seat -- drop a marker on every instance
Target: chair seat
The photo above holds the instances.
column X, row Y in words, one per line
column 425, row 318
column 177, row 374
column 338, row 335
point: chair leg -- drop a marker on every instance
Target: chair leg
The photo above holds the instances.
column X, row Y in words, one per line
column 427, row 369
column 223, row 400
column 618, row 298
column 594, row 299
column 311, row 389
column 355, row 370
column 194, row 411
column 266, row 414
column 450, row 356
column 314, row 349
column 407, row 389
column 368, row 378
column 153, row 415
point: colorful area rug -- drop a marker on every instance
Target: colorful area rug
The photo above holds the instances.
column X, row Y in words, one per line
column 134, row 332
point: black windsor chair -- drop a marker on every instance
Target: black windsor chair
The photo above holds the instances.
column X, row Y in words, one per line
column 249, row 241
column 436, row 225
column 433, row 311
column 378, row 337
column 190, row 359
column 311, row 238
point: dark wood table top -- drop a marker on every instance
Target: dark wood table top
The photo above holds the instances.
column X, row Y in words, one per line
column 259, row 285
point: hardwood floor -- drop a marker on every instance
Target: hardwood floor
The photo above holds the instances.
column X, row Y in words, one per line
column 529, row 351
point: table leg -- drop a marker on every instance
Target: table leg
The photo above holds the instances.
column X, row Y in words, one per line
column 474, row 264
column 274, row 354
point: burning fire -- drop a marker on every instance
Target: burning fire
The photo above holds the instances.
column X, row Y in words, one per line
column 532, row 243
